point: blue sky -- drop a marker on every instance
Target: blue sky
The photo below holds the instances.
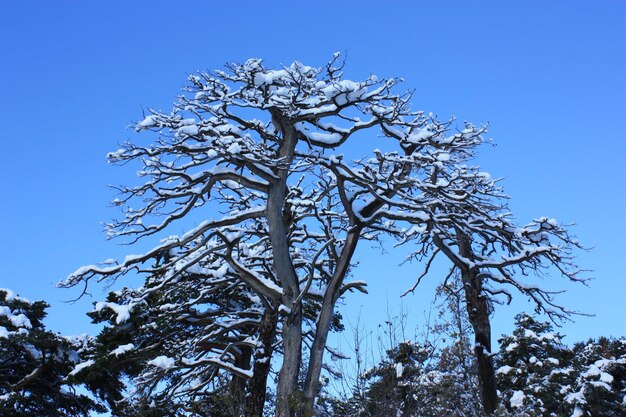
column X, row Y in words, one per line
column 549, row 78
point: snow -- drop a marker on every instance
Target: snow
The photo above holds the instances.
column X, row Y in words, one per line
column 420, row 136
column 530, row 334
column 577, row 412
column 122, row 311
column 505, row 369
column 3, row 332
column 20, row 321
column 234, row 149
column 188, row 130
column 517, row 399
column 443, row 157
column 576, row 397
column 162, row 362
column 10, row 296
column 606, row 378
column 82, row 366
column 512, row 347
column 399, row 370
column 328, row 138
column 221, row 271
column 268, row 77
column 123, row 349
column 131, row 258
column 149, row 121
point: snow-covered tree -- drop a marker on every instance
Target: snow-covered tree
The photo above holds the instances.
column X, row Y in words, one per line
column 472, row 227
column 539, row 376
column 250, row 155
column 600, row 386
column 533, row 367
column 35, row 364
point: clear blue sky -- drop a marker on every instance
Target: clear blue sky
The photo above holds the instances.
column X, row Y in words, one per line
column 549, row 77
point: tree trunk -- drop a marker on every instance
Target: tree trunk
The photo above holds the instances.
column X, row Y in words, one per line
column 238, row 383
column 478, row 312
column 257, row 386
column 286, row 400
column 284, row 270
column 331, row 295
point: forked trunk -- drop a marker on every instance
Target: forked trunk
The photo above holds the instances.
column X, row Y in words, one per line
column 332, row 293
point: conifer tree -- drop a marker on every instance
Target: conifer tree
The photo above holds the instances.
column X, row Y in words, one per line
column 35, row 364
column 534, row 366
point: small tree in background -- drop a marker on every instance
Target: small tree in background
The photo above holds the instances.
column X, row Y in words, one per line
column 600, row 386
column 35, row 364
column 533, row 367
column 539, row 376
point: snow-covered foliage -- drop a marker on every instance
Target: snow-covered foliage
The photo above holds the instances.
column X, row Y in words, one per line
column 533, row 368
column 35, row 364
column 249, row 153
column 600, row 385
column 539, row 376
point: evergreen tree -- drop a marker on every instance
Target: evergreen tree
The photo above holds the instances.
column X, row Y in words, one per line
column 600, row 387
column 539, row 376
column 35, row 363
column 534, row 366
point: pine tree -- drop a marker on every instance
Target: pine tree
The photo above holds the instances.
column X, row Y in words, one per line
column 533, row 367
column 600, row 387
column 35, row 364
column 539, row 376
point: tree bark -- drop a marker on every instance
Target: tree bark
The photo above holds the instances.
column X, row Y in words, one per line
column 237, row 382
column 478, row 312
column 257, row 385
column 284, row 270
column 316, row 359
column 332, row 293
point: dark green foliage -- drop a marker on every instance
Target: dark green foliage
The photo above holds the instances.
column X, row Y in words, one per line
column 391, row 390
column 539, row 376
column 34, row 364
column 533, row 361
column 600, row 387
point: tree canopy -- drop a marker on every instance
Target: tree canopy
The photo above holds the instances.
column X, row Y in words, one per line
column 249, row 153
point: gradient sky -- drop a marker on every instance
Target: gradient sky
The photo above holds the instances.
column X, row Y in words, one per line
column 549, row 78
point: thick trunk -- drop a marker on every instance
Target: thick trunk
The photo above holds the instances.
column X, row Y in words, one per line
column 478, row 312
column 287, row 402
column 312, row 381
column 285, row 272
column 257, row 386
